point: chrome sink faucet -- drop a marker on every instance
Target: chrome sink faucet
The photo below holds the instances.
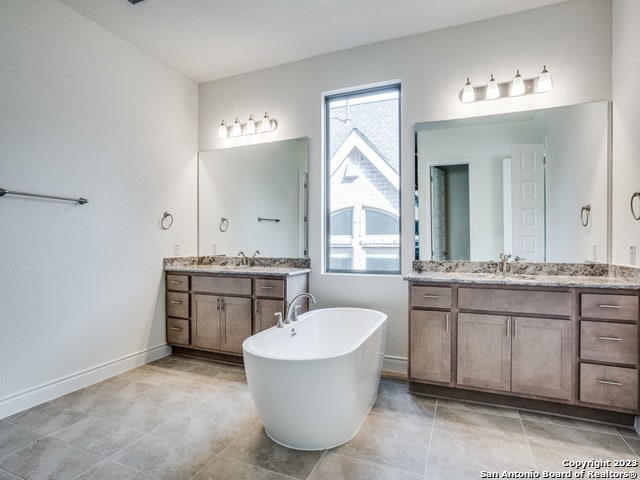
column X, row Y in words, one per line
column 251, row 260
column 503, row 266
column 243, row 258
column 288, row 310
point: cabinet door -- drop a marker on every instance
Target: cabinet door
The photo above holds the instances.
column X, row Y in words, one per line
column 430, row 346
column 235, row 314
column 542, row 353
column 484, row 351
column 264, row 313
column 206, row 321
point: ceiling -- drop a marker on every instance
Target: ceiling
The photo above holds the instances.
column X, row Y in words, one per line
column 211, row 39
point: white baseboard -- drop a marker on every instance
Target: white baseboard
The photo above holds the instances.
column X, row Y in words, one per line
column 43, row 393
column 395, row 364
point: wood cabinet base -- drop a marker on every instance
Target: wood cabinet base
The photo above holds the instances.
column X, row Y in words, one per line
column 220, row 357
column 573, row 411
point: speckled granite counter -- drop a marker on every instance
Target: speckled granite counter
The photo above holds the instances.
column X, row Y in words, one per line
column 262, row 266
column 529, row 274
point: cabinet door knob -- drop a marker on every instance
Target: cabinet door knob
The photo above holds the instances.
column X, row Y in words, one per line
column 431, row 296
column 609, row 306
column 176, row 302
column 177, row 329
column 175, row 281
column 446, row 322
column 267, row 287
column 508, row 327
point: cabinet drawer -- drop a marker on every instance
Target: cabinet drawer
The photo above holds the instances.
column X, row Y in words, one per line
column 221, row 285
column 179, row 283
column 611, row 386
column 427, row 296
column 269, row 287
column 609, row 342
column 614, row 307
column 515, row 301
column 178, row 331
column 177, row 304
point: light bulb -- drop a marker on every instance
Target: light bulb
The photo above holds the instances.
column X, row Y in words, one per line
column 222, row 130
column 544, row 81
column 517, row 87
column 251, row 126
column 467, row 94
column 265, row 125
column 493, row 91
column 236, row 130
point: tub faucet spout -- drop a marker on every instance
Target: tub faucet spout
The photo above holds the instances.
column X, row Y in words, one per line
column 289, row 308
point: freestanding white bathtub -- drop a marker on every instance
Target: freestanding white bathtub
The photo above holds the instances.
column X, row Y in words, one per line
column 314, row 381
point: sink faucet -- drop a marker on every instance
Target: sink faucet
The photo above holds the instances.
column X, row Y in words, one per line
column 251, row 260
column 243, row 258
column 289, row 309
column 503, row 265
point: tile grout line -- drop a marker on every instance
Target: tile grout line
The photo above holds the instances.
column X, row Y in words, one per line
column 526, row 437
column 324, row 453
column 433, row 429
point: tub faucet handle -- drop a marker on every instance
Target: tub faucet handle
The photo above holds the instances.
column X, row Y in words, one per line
column 294, row 315
column 279, row 322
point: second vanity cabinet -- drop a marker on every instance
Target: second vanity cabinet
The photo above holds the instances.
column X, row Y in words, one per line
column 509, row 351
column 609, row 350
column 543, row 345
column 215, row 313
column 221, row 312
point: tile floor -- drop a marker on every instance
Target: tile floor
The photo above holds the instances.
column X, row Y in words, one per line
column 180, row 418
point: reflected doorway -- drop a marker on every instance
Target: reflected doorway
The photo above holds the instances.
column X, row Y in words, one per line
column 450, row 226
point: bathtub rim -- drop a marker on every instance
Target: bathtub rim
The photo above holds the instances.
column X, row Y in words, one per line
column 246, row 344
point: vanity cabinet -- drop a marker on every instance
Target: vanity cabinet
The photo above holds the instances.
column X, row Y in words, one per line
column 568, row 349
column 609, row 350
column 517, row 346
column 431, row 333
column 215, row 313
column 270, row 294
column 177, row 307
column 221, row 322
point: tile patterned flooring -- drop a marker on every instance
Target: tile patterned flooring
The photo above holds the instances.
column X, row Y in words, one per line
column 181, row 418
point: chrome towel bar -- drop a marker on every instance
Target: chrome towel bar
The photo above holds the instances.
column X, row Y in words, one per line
column 4, row 191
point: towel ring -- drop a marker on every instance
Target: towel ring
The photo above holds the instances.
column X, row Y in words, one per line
column 584, row 215
column 224, row 224
column 167, row 221
column 633, row 212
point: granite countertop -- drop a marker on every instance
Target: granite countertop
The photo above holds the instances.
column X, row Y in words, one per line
column 265, row 271
column 541, row 280
column 542, row 274
column 221, row 264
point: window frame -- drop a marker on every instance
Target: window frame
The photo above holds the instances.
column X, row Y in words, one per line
column 354, row 93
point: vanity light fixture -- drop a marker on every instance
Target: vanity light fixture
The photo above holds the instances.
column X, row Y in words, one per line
column 493, row 91
column 544, row 81
column 237, row 129
column 518, row 86
column 467, row 93
column 222, row 130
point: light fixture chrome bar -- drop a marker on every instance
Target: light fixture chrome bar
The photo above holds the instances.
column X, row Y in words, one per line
column 4, row 191
column 252, row 126
column 539, row 84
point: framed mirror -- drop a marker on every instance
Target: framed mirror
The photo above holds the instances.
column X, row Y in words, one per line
column 531, row 184
column 254, row 198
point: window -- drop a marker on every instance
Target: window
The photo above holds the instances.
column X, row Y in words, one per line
column 362, row 165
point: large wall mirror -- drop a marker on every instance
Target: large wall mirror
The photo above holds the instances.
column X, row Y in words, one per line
column 532, row 184
column 254, row 198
